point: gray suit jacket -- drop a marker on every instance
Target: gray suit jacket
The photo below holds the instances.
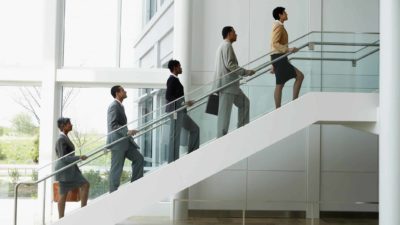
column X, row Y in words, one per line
column 116, row 118
column 226, row 62
column 63, row 147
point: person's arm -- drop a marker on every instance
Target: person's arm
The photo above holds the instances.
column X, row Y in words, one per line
column 276, row 37
column 61, row 148
column 232, row 63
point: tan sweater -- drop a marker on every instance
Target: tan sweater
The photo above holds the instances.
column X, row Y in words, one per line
column 279, row 38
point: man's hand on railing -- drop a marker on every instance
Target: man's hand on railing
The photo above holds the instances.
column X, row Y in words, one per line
column 83, row 157
column 189, row 103
column 272, row 69
column 132, row 132
column 293, row 49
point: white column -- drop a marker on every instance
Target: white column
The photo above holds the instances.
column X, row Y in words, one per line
column 182, row 53
column 313, row 170
column 119, row 32
column 51, row 99
column 389, row 113
column 183, row 39
column 179, row 206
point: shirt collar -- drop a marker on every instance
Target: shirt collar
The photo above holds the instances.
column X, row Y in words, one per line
column 118, row 101
column 278, row 22
column 174, row 76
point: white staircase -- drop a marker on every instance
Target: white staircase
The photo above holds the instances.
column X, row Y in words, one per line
column 353, row 109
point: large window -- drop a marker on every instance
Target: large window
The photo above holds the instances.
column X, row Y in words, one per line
column 21, row 39
column 19, row 148
column 90, row 33
column 19, row 125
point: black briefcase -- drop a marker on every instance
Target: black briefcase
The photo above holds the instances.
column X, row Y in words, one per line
column 212, row 104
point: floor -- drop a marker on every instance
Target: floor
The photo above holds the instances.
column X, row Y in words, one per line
column 249, row 221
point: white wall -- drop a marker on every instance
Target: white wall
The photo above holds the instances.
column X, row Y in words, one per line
column 349, row 168
column 155, row 42
column 276, row 178
column 352, row 16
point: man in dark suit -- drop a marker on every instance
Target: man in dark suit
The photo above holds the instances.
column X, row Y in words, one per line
column 175, row 100
column 126, row 147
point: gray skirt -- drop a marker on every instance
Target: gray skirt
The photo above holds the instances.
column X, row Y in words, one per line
column 66, row 186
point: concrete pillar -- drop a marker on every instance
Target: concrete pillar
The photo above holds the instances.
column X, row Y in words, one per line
column 183, row 39
column 182, row 52
column 313, row 171
column 51, row 94
column 389, row 113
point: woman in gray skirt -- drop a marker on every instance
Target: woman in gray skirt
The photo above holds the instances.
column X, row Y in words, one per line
column 72, row 177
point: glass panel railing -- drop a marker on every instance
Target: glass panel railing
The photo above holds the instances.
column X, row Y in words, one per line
column 155, row 128
column 96, row 172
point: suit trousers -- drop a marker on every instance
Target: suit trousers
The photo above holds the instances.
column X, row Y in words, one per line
column 226, row 101
column 117, row 164
column 182, row 120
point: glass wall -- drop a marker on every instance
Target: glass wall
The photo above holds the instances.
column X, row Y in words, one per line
column 19, row 146
column 90, row 33
column 21, row 39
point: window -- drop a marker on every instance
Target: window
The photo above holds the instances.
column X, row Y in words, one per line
column 90, row 33
column 19, row 125
column 21, row 39
column 19, row 149
column 151, row 9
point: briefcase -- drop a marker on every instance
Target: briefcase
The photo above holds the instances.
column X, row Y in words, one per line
column 72, row 196
column 212, row 104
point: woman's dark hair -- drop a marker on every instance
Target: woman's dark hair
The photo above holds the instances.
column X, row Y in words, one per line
column 61, row 122
column 172, row 64
column 226, row 30
column 277, row 11
column 114, row 90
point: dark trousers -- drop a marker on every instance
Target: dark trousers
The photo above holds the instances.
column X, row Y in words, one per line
column 182, row 121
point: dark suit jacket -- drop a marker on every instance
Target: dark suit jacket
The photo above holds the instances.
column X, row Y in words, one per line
column 63, row 147
column 174, row 91
column 116, row 118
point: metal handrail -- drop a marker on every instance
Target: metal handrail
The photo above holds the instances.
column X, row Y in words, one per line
column 167, row 115
column 193, row 91
column 201, row 98
column 251, row 77
column 335, row 59
column 170, row 103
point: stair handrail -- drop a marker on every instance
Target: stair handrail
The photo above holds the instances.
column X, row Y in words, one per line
column 196, row 89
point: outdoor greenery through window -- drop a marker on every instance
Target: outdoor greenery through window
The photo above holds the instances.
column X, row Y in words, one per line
column 19, row 139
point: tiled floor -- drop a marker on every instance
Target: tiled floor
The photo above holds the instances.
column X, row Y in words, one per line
column 250, row 221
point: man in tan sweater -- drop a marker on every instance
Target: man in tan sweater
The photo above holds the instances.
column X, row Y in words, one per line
column 283, row 70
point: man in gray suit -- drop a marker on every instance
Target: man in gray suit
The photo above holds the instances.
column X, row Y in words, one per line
column 126, row 147
column 226, row 71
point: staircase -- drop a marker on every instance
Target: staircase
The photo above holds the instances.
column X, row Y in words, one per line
column 211, row 158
